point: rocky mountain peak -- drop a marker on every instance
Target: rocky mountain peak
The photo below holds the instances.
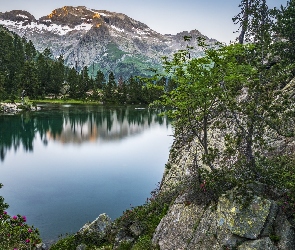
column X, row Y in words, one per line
column 18, row 16
column 100, row 39
column 73, row 16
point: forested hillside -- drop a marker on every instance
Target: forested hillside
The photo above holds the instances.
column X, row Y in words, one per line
column 40, row 75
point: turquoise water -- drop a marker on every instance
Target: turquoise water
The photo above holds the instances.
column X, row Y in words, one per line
column 64, row 165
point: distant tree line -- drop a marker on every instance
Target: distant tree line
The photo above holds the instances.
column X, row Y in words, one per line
column 17, row 132
column 39, row 75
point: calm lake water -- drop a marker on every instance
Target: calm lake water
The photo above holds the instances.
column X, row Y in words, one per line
column 66, row 164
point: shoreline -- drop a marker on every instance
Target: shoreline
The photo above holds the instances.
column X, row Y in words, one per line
column 13, row 108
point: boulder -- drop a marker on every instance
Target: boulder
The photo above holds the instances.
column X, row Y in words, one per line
column 261, row 244
column 186, row 227
column 284, row 231
column 246, row 221
column 232, row 224
column 99, row 225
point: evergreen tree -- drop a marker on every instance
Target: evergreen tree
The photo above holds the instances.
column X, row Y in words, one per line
column 57, row 76
column 122, row 91
column 30, row 51
column 73, row 80
column 29, row 79
column 100, row 79
column 110, row 89
column 135, row 95
column 285, row 38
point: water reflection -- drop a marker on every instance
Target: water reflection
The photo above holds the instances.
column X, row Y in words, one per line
column 74, row 124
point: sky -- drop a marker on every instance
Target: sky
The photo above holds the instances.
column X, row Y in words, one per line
column 212, row 18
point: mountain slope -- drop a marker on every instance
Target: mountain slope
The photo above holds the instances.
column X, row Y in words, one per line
column 99, row 39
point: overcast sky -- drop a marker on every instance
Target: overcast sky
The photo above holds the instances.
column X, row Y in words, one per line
column 212, row 18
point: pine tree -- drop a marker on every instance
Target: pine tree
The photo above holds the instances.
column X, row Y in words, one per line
column 57, row 76
column 73, row 81
column 110, row 88
column 100, row 79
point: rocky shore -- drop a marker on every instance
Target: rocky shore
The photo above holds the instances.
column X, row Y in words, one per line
column 13, row 108
column 191, row 224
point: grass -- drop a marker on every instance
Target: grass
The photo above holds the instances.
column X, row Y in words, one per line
column 114, row 52
column 65, row 101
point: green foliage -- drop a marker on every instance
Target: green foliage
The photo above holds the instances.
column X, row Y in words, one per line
column 69, row 242
column 114, row 53
column 66, row 243
column 143, row 242
column 125, row 245
column 23, row 68
column 240, row 95
column 275, row 238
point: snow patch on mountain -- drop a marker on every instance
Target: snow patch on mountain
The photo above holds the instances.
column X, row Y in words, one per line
column 54, row 28
column 102, row 14
column 23, row 16
column 118, row 29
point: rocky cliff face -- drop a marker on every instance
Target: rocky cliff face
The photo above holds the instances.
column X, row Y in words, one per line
column 99, row 39
column 192, row 223
column 261, row 225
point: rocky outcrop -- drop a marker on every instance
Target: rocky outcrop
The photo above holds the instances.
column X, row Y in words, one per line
column 99, row 225
column 18, row 16
column 232, row 225
column 13, row 108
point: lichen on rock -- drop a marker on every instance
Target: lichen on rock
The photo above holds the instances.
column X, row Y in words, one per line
column 246, row 222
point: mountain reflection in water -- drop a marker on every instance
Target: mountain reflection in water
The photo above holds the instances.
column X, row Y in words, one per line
column 64, row 165
column 75, row 124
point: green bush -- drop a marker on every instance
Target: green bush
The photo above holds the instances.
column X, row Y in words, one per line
column 14, row 232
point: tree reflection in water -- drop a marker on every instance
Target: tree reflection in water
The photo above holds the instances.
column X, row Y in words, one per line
column 74, row 124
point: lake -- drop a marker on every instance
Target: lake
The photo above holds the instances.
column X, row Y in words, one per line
column 66, row 164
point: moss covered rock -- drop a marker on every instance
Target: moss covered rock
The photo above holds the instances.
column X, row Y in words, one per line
column 246, row 221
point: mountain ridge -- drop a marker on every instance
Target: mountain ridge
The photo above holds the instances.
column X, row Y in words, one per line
column 100, row 39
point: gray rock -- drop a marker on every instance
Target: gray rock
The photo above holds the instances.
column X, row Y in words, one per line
column 122, row 237
column 183, row 227
column 40, row 246
column 98, row 225
column 136, row 229
column 285, row 232
column 268, row 227
column 81, row 247
column 261, row 244
column 246, row 222
column 228, row 240
column 227, row 227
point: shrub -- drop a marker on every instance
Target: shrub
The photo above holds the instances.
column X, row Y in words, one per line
column 14, row 232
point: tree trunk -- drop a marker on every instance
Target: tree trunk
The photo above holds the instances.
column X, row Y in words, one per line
column 245, row 21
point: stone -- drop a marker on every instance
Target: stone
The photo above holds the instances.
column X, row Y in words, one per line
column 99, row 225
column 228, row 240
column 285, row 232
column 185, row 227
column 122, row 237
column 246, row 222
column 81, row 247
column 261, row 244
column 40, row 246
column 268, row 227
column 136, row 229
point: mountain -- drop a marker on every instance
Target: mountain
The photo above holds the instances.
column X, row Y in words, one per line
column 99, row 39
